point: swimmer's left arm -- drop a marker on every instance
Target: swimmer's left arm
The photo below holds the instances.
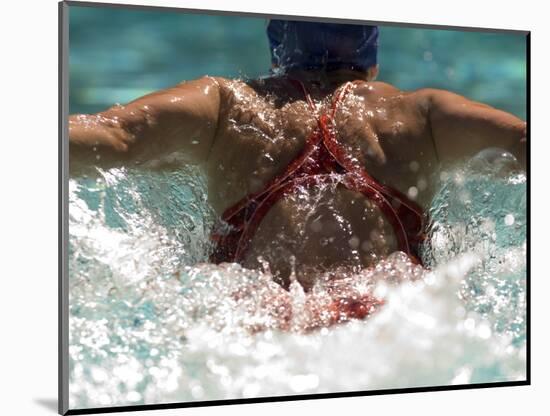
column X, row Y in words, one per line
column 461, row 127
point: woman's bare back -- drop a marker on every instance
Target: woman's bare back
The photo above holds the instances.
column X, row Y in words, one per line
column 264, row 126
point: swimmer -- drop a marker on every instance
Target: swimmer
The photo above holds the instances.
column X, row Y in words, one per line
column 317, row 166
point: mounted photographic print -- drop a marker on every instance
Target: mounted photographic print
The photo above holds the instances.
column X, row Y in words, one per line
column 261, row 207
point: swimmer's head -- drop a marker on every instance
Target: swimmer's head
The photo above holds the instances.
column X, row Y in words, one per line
column 322, row 46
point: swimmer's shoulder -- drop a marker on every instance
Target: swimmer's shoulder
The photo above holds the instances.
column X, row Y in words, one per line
column 224, row 85
column 419, row 98
column 237, row 88
column 269, row 90
column 233, row 93
column 375, row 89
column 385, row 89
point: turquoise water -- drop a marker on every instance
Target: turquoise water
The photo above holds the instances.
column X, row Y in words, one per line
column 118, row 55
column 152, row 322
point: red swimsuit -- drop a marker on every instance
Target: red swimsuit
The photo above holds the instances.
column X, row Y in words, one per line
column 322, row 160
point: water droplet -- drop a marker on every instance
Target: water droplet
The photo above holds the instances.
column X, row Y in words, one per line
column 133, row 396
column 422, row 184
column 509, row 219
column 353, row 242
column 412, row 192
column 484, row 331
column 469, row 324
column 414, row 166
column 366, row 246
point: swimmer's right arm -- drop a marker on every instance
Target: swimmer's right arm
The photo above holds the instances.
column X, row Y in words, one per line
column 183, row 118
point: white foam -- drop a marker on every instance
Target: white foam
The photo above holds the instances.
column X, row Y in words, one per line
column 145, row 327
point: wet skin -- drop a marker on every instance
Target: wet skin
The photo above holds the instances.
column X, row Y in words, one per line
column 246, row 133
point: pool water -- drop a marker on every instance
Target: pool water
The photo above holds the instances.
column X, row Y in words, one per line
column 117, row 55
column 152, row 322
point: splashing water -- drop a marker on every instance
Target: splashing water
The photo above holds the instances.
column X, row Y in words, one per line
column 482, row 209
column 152, row 322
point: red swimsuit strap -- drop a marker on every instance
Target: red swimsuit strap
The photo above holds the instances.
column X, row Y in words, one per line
column 310, row 146
column 405, row 216
column 246, row 215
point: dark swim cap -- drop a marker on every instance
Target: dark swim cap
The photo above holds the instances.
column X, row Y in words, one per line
column 329, row 46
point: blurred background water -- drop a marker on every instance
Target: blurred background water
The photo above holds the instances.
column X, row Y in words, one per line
column 151, row 322
column 117, row 55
